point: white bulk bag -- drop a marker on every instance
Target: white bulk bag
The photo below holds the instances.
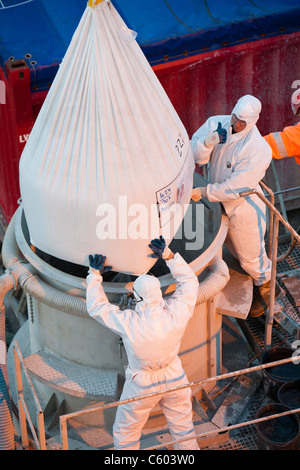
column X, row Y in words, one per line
column 108, row 164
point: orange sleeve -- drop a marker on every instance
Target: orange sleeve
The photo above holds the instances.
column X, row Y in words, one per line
column 291, row 140
column 290, row 137
column 271, row 141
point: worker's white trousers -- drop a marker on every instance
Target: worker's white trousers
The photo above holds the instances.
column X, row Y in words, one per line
column 131, row 417
column 245, row 239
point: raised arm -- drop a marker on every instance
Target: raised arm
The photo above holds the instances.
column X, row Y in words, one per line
column 185, row 294
column 97, row 303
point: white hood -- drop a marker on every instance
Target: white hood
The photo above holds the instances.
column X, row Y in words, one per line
column 148, row 289
column 248, row 109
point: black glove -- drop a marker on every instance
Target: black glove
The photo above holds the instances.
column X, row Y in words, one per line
column 159, row 248
column 222, row 133
column 97, row 262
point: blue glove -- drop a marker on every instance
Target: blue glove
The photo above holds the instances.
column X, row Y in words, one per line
column 97, row 262
column 222, row 133
column 159, row 248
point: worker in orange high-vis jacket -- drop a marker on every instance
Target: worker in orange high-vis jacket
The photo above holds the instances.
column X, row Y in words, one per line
column 287, row 143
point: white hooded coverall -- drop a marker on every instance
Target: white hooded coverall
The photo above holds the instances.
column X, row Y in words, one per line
column 235, row 166
column 151, row 336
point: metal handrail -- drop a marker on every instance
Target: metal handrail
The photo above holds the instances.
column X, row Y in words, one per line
column 64, row 418
column 288, row 190
column 24, row 416
column 277, row 217
column 272, row 197
column 228, row 428
column 271, row 216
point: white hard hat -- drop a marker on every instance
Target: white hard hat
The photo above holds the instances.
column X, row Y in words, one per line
column 295, row 101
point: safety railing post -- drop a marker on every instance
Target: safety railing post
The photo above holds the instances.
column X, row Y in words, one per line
column 270, row 310
column 271, row 216
column 63, row 432
column 22, row 415
column 41, row 428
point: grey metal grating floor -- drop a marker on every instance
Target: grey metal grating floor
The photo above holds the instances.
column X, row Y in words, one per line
column 285, row 300
column 244, row 438
column 292, row 262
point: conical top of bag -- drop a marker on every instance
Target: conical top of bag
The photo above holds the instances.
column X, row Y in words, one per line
column 108, row 164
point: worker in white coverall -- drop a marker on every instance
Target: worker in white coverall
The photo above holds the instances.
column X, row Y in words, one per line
column 151, row 336
column 238, row 158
